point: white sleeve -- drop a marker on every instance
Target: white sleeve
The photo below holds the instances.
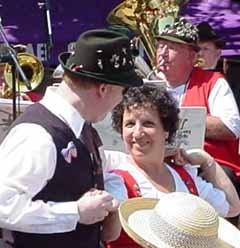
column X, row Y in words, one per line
column 206, row 190
column 28, row 160
column 113, row 183
column 115, row 186
column 222, row 104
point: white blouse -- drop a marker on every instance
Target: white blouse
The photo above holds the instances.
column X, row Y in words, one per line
column 206, row 190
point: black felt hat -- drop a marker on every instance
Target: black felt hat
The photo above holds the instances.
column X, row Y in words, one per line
column 206, row 33
column 102, row 54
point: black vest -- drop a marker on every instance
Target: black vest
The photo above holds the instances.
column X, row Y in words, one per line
column 69, row 182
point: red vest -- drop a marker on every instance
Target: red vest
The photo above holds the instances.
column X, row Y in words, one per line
column 124, row 241
column 224, row 151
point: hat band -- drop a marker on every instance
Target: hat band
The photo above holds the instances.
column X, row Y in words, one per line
column 115, row 75
column 175, row 237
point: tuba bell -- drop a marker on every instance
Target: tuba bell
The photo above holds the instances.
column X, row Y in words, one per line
column 139, row 15
column 33, row 69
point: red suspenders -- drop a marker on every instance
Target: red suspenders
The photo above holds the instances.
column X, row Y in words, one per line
column 133, row 188
column 130, row 183
column 134, row 191
column 187, row 179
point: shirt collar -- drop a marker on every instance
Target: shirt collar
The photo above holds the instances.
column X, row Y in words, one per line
column 63, row 110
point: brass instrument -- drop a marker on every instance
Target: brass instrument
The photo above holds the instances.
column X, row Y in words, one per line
column 33, row 69
column 139, row 15
column 124, row 14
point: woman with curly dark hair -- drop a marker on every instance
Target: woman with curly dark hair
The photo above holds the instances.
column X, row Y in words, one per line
column 148, row 97
column 147, row 118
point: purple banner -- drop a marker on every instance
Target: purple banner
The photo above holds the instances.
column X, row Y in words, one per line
column 224, row 17
column 25, row 22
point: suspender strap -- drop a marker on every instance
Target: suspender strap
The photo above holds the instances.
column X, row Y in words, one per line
column 131, row 184
column 187, row 179
column 134, row 190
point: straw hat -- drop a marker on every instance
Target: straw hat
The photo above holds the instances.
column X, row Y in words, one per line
column 178, row 220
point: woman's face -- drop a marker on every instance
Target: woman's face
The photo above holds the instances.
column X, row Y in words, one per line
column 143, row 133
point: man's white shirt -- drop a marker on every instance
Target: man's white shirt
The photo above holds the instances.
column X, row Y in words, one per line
column 22, row 177
column 221, row 102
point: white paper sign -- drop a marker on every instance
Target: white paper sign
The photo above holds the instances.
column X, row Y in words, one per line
column 192, row 126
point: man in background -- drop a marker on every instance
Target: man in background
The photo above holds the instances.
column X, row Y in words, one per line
column 210, row 46
column 177, row 51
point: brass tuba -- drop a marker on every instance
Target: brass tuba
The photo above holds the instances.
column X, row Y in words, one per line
column 138, row 15
column 33, row 69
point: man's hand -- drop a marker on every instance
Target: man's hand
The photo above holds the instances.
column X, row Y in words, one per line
column 162, row 58
column 95, row 205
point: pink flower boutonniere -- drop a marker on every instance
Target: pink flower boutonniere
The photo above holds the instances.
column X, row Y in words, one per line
column 69, row 152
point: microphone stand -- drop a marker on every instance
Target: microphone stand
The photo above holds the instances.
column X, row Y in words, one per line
column 49, row 45
column 13, row 61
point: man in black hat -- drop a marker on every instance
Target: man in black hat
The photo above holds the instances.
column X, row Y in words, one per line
column 51, row 188
column 177, row 48
column 210, row 46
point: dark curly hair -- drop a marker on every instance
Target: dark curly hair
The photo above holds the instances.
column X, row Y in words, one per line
column 158, row 99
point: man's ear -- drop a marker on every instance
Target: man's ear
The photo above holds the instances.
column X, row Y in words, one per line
column 102, row 90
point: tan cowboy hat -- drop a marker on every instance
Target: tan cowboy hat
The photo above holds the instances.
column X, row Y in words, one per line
column 178, row 220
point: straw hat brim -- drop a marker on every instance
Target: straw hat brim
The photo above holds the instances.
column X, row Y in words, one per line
column 135, row 212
